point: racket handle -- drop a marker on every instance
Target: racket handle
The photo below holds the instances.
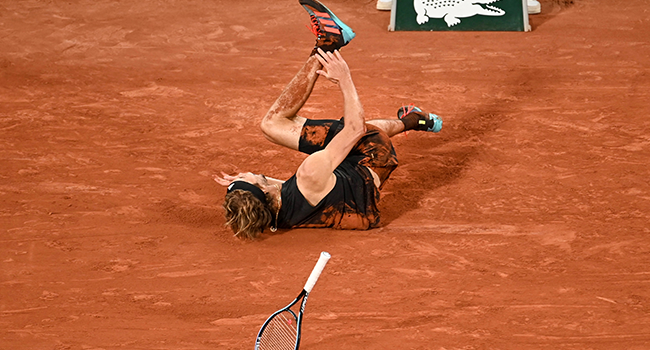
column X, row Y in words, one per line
column 315, row 273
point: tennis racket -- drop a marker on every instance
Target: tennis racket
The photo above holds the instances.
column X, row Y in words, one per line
column 281, row 331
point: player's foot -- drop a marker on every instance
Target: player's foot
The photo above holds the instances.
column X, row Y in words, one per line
column 414, row 119
column 331, row 33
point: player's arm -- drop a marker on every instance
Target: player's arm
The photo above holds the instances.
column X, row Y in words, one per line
column 226, row 180
column 315, row 176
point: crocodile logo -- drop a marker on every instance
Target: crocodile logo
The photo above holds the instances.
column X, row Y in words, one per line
column 453, row 10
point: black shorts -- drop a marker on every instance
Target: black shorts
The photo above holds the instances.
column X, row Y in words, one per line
column 374, row 149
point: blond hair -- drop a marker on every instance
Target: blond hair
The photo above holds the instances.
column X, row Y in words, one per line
column 246, row 215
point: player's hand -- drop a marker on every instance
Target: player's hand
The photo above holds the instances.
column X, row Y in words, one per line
column 335, row 67
column 224, row 180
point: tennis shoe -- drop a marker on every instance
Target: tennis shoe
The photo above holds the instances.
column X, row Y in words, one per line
column 331, row 33
column 425, row 121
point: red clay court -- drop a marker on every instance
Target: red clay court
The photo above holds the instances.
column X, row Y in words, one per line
column 524, row 224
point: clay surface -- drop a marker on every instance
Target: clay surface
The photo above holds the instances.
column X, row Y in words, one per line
column 524, row 224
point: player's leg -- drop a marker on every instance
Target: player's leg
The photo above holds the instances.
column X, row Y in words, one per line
column 377, row 147
column 409, row 118
column 378, row 153
column 392, row 127
column 281, row 124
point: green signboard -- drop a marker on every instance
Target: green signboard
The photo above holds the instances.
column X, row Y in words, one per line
column 460, row 15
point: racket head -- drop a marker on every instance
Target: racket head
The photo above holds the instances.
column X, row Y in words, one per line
column 281, row 331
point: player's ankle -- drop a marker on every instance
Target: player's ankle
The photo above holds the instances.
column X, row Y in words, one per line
column 410, row 121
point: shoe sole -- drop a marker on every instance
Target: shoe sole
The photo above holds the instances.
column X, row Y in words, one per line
column 346, row 31
column 400, row 112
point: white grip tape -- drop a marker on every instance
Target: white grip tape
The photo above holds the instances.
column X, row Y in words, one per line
column 315, row 273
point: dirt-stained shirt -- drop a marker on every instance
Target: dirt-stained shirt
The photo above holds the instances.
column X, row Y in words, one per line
column 350, row 205
column 353, row 202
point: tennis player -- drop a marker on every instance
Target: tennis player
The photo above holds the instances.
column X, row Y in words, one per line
column 349, row 160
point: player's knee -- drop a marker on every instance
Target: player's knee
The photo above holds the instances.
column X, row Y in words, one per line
column 266, row 126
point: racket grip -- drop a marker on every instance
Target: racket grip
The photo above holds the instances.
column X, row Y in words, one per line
column 315, row 273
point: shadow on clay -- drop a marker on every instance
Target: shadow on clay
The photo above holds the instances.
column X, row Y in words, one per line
column 442, row 159
column 191, row 214
column 550, row 10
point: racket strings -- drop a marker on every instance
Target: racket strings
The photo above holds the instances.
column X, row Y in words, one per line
column 281, row 333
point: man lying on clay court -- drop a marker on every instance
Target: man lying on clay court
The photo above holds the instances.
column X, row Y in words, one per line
column 338, row 184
